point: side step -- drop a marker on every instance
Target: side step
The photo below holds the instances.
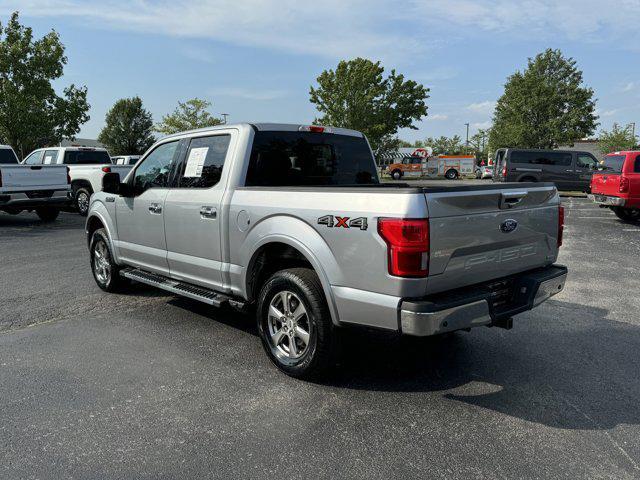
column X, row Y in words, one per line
column 194, row 292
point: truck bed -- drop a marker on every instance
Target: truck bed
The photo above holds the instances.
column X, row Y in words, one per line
column 25, row 178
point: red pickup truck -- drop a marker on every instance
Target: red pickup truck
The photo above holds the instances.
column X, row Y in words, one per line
column 617, row 184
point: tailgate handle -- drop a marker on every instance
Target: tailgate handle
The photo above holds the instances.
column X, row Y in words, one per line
column 511, row 199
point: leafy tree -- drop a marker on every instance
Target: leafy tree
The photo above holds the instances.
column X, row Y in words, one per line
column 128, row 128
column 189, row 115
column 544, row 106
column 478, row 144
column 31, row 113
column 616, row 139
column 356, row 95
column 446, row 145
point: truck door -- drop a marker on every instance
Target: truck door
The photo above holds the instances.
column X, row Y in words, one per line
column 585, row 166
column 140, row 218
column 194, row 217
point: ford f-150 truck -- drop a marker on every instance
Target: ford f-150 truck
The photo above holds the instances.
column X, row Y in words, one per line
column 617, row 184
column 87, row 166
column 31, row 188
column 292, row 221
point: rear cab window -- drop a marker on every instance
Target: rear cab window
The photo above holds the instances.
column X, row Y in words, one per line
column 86, row 157
column 289, row 158
column 613, row 163
column 7, row 157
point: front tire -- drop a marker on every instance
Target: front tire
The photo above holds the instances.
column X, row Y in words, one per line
column 105, row 271
column 627, row 214
column 396, row 174
column 47, row 214
column 294, row 323
column 82, row 199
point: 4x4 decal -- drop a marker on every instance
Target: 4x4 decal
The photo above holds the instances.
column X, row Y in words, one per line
column 336, row 221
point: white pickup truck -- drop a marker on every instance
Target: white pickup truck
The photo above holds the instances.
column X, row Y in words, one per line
column 292, row 219
column 87, row 166
column 34, row 188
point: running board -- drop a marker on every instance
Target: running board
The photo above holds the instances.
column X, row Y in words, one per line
column 188, row 290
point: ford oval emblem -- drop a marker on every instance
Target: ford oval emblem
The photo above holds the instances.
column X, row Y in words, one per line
column 509, row 225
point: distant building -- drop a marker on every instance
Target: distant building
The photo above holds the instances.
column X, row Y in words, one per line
column 81, row 142
column 585, row 145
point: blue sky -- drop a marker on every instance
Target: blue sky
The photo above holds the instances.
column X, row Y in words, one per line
column 255, row 59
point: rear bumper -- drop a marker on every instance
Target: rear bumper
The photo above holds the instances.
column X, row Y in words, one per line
column 58, row 198
column 493, row 303
column 607, row 200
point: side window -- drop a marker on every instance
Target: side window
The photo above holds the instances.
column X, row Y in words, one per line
column 586, row 161
column 636, row 165
column 50, row 157
column 155, row 170
column 204, row 161
column 34, row 159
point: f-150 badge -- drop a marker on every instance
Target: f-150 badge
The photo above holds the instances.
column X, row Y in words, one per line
column 332, row 221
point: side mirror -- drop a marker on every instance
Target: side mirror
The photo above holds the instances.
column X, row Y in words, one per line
column 111, row 184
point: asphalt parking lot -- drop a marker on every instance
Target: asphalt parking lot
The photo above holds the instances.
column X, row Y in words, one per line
column 146, row 385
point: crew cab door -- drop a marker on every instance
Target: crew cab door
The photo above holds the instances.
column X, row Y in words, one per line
column 585, row 166
column 140, row 217
column 194, row 217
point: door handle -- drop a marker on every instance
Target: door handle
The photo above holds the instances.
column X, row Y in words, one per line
column 568, row 170
column 155, row 208
column 208, row 212
column 511, row 199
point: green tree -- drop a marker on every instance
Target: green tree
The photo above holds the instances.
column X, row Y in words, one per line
column 446, row 145
column 544, row 106
column 188, row 115
column 356, row 95
column 128, row 128
column 478, row 144
column 616, row 139
column 31, row 113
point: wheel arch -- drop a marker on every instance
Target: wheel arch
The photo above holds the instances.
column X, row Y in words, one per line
column 314, row 252
column 81, row 183
column 100, row 219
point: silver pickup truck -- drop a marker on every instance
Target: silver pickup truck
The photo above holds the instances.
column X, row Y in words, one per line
column 292, row 221
column 22, row 187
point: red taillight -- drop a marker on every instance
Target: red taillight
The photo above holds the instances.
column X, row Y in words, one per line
column 504, row 171
column 315, row 129
column 624, row 185
column 560, row 224
column 408, row 245
column 68, row 176
column 106, row 169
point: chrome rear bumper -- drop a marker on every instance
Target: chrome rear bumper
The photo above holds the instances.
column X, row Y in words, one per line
column 605, row 200
column 479, row 305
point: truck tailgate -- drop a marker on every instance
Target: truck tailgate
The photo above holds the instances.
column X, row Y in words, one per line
column 482, row 233
column 25, row 178
column 605, row 184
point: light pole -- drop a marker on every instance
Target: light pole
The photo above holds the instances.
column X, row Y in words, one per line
column 467, row 135
column 225, row 115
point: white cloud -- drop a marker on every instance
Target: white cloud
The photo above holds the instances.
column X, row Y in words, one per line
column 482, row 125
column 573, row 19
column 606, row 113
column 248, row 94
column 485, row 107
column 630, row 86
column 331, row 28
column 437, row 117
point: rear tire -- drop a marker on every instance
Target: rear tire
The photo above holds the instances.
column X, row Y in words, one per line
column 451, row 174
column 82, row 199
column 47, row 214
column 298, row 336
column 396, row 174
column 627, row 214
column 105, row 271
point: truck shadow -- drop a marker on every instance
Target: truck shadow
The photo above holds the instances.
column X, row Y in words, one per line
column 27, row 224
column 575, row 371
